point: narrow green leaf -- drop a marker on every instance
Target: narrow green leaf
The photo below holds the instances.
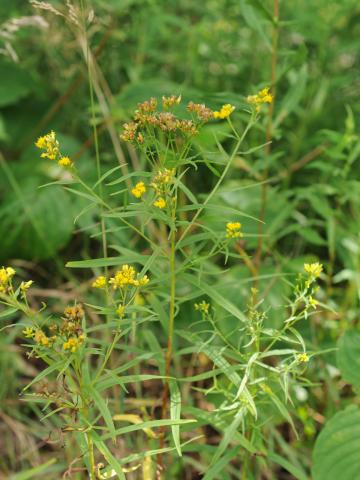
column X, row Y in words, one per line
column 175, row 412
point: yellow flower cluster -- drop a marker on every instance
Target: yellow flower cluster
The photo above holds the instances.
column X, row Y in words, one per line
column 25, row 285
column 73, row 343
column 160, row 203
column 139, row 190
column 313, row 269
column 225, row 111
column 99, row 282
column 128, row 276
column 50, row 144
column 120, row 311
column 42, row 339
column 233, row 230
column 28, row 332
column 160, row 184
column 312, row 302
column 303, row 357
column 163, row 176
column 264, row 96
column 202, row 307
column 6, row 274
column 169, row 102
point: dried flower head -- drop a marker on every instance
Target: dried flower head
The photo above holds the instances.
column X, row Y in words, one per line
column 129, row 132
column 75, row 313
column 202, row 112
column 187, row 127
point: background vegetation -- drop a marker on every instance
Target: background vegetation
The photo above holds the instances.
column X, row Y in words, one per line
column 215, row 52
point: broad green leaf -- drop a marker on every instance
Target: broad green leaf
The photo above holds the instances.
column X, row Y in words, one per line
column 348, row 357
column 336, row 453
column 16, row 83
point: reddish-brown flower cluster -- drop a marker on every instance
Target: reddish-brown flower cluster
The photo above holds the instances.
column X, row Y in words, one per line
column 147, row 115
column 202, row 112
column 129, row 132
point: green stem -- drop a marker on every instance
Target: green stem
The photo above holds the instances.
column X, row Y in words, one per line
column 88, row 60
column 219, row 182
column 91, row 456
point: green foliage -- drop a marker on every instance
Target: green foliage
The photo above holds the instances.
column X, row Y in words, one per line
column 348, row 357
column 239, row 403
column 335, row 452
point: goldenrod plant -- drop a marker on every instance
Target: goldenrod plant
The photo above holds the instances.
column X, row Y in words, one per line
column 188, row 330
column 262, row 366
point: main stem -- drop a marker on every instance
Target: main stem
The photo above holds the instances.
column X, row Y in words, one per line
column 91, row 457
column 169, row 351
column 268, row 134
column 88, row 59
column 172, row 304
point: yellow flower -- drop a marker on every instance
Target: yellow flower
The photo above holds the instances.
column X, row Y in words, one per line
column 160, row 203
column 6, row 274
column 164, row 176
column 313, row 269
column 73, row 343
column 10, row 271
column 143, row 281
column 49, row 143
column 202, row 307
column 121, row 311
column 313, row 302
column 127, row 276
column 65, row 162
column 225, row 111
column 168, row 102
column 99, row 282
column 138, row 190
column 41, row 339
column 28, row 332
column 41, row 142
column 302, row 357
column 264, row 96
column 233, row 230
column 26, row 285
